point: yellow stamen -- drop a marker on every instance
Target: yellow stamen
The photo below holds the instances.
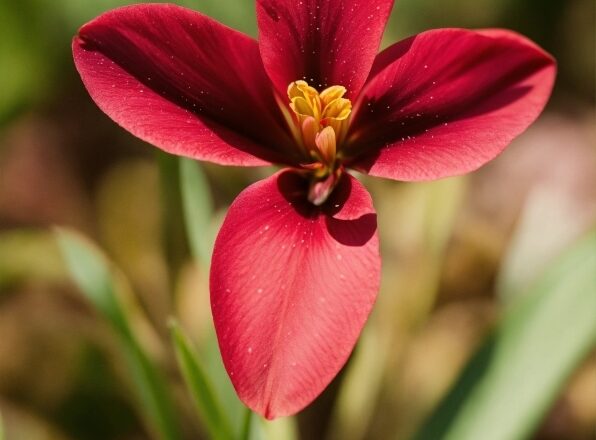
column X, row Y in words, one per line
column 339, row 108
column 303, row 107
column 322, row 118
column 332, row 93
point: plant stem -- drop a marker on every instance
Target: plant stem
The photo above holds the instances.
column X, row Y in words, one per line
column 174, row 238
column 245, row 434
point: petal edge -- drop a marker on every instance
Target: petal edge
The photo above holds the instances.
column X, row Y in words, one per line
column 447, row 101
column 139, row 64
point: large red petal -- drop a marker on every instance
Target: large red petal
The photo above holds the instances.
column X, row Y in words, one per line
column 447, row 101
column 325, row 42
column 291, row 288
column 182, row 82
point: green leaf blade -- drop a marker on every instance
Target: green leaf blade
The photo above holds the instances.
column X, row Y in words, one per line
column 93, row 275
column 198, row 209
column 512, row 381
column 199, row 386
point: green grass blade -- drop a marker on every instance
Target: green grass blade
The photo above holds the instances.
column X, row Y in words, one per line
column 246, row 425
column 1, row 427
column 198, row 217
column 513, row 380
column 100, row 284
column 199, row 386
column 198, row 209
column 174, row 238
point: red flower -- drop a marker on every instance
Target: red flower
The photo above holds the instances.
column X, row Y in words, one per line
column 296, row 265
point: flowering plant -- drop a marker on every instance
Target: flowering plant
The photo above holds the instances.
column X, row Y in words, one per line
column 296, row 265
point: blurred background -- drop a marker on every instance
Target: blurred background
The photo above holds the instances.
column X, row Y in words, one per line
column 456, row 253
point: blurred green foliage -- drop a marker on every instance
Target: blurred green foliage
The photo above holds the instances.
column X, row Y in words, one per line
column 106, row 291
column 199, row 386
column 546, row 332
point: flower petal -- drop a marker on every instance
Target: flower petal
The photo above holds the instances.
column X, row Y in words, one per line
column 324, row 42
column 291, row 287
column 445, row 102
column 182, row 82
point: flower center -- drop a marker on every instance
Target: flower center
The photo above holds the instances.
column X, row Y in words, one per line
column 321, row 125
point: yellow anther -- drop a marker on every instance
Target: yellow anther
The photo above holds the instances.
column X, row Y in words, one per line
column 322, row 118
column 298, row 88
column 302, row 107
column 339, row 108
column 332, row 93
